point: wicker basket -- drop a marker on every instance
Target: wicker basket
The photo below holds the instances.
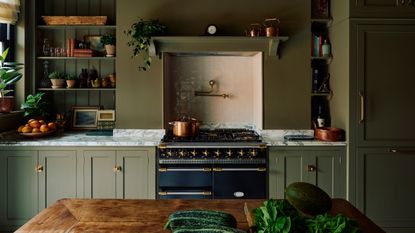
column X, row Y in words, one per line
column 75, row 20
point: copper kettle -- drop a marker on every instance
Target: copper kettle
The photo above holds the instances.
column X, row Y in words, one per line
column 271, row 27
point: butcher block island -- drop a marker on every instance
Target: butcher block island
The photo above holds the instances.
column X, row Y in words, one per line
column 148, row 216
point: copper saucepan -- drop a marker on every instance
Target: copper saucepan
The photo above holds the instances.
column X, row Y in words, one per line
column 185, row 128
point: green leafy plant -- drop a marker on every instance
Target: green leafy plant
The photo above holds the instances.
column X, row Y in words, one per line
column 8, row 73
column 108, row 39
column 71, row 77
column 323, row 223
column 57, row 75
column 35, row 105
column 141, row 33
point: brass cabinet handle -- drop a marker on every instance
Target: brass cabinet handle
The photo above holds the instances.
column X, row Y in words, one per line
column 397, row 2
column 39, row 168
column 362, row 107
column 311, row 168
column 117, row 168
column 402, row 2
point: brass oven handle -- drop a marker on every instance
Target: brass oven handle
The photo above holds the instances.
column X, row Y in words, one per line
column 205, row 193
column 117, row 168
column 392, row 150
column 259, row 169
column 362, row 107
column 39, row 168
column 204, row 169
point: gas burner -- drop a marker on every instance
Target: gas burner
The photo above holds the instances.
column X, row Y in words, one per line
column 216, row 135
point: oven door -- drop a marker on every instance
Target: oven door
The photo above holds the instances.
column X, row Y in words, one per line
column 239, row 182
column 184, row 182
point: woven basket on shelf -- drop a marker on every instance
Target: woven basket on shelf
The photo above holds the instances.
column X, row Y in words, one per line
column 75, row 20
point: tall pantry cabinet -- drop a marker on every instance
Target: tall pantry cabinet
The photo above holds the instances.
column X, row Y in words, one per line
column 382, row 51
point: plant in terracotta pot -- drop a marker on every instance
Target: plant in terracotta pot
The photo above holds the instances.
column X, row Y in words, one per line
column 141, row 33
column 108, row 40
column 8, row 75
column 57, row 79
column 71, row 81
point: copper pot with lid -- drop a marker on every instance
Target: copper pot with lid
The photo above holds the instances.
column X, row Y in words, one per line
column 186, row 127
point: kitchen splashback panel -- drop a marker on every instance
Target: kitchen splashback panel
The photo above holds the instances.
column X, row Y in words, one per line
column 238, row 76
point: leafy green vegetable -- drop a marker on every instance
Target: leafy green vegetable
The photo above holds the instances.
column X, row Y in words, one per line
column 325, row 223
column 275, row 216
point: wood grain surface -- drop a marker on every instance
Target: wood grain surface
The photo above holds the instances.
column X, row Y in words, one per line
column 110, row 215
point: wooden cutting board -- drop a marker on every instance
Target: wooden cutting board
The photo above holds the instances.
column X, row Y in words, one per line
column 110, row 215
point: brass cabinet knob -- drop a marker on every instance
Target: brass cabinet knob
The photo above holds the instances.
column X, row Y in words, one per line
column 39, row 168
column 311, row 168
column 117, row 168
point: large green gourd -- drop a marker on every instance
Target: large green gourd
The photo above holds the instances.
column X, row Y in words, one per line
column 308, row 198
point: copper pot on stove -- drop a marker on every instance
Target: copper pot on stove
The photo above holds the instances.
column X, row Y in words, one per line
column 186, row 127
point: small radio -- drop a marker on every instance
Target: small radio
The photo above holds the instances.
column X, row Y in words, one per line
column 106, row 119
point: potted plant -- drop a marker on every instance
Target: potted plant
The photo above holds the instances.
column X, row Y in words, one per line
column 71, row 81
column 141, row 33
column 57, row 79
column 8, row 75
column 35, row 106
column 108, row 40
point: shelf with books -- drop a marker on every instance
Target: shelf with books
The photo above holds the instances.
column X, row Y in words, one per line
column 76, row 26
column 76, row 58
column 77, row 89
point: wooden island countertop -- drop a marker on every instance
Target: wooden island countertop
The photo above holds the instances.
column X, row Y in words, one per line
column 148, row 216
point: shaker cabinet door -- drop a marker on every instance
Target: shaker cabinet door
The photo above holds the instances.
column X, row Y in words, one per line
column 59, row 178
column 382, row 106
column 99, row 174
column 385, row 186
column 321, row 166
column 382, row 8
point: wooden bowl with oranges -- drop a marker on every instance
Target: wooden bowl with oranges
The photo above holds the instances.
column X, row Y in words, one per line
column 37, row 128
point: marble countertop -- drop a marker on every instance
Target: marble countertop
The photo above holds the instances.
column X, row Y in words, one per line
column 145, row 137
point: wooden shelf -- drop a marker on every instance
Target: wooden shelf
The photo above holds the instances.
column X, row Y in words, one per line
column 76, row 89
column 76, row 58
column 201, row 44
column 76, row 26
column 321, row 94
column 327, row 21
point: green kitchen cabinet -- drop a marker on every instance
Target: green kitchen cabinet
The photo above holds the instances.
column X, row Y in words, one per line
column 322, row 166
column 381, row 82
column 382, row 9
column 19, row 182
column 385, row 185
column 58, row 178
column 125, row 174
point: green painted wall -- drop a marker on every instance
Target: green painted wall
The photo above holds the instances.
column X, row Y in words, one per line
column 286, row 80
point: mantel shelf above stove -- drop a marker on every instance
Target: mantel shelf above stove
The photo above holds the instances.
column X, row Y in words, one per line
column 215, row 45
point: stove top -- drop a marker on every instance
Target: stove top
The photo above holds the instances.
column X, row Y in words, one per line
column 215, row 135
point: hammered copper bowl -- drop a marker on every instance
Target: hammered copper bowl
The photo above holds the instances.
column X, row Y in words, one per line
column 329, row 134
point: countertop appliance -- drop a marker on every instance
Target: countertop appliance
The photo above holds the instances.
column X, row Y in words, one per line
column 215, row 164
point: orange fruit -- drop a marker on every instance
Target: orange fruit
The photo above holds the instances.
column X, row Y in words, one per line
column 52, row 125
column 44, row 128
column 30, row 121
column 42, row 122
column 35, row 130
column 35, row 124
column 20, row 128
column 27, row 129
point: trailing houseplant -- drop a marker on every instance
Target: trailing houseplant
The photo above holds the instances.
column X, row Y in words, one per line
column 8, row 75
column 108, row 40
column 141, row 33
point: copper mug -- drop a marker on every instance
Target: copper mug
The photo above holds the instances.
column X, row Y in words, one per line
column 271, row 27
column 255, row 30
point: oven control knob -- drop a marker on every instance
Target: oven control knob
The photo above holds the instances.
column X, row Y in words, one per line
column 193, row 153
column 217, row 153
column 205, row 152
column 169, row 153
column 181, row 153
column 241, row 152
column 254, row 152
column 229, row 153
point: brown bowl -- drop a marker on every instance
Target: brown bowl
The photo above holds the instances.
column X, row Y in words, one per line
column 329, row 134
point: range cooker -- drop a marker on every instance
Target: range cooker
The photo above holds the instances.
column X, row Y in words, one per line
column 215, row 164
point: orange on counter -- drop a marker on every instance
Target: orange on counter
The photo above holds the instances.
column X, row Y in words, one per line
column 26, row 129
column 44, row 128
column 35, row 130
column 35, row 124
column 52, row 125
